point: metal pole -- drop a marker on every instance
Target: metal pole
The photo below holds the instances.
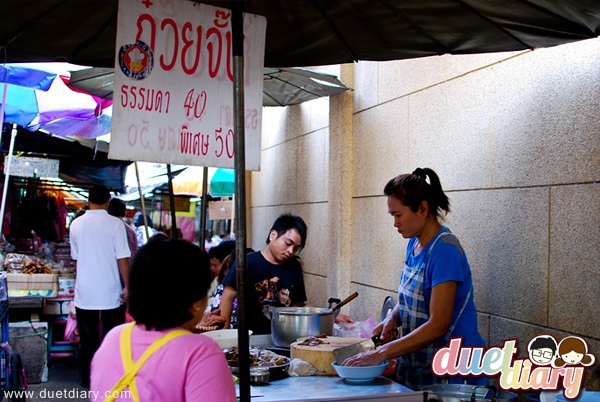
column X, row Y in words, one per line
column 172, row 202
column 137, row 175
column 13, row 135
column 204, row 207
column 3, row 107
column 237, row 33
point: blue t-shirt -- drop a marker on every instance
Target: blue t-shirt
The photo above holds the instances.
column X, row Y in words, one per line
column 448, row 262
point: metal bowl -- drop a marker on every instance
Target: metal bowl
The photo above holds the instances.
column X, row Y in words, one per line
column 278, row 371
column 259, row 375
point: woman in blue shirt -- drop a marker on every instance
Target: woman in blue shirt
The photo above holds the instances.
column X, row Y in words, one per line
column 435, row 291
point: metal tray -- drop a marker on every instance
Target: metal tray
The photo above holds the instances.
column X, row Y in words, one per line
column 276, row 372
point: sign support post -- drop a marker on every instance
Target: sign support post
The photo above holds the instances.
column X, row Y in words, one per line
column 237, row 34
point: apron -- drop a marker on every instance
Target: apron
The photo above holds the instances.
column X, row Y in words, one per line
column 131, row 369
column 414, row 369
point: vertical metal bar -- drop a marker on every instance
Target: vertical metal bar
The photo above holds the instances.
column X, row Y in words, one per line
column 137, row 175
column 13, row 136
column 3, row 107
column 204, row 207
column 240, row 196
column 172, row 202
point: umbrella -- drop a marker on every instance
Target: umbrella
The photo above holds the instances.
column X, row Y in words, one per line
column 291, row 86
column 31, row 96
column 32, row 107
column 281, row 86
column 318, row 32
column 222, row 183
column 189, row 181
column 92, row 127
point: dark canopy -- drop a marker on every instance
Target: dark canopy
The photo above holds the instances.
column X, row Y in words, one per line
column 315, row 32
column 79, row 164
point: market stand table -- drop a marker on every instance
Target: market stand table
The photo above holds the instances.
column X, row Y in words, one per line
column 328, row 388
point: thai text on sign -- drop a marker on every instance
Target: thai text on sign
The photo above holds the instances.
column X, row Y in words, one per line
column 33, row 167
column 173, row 89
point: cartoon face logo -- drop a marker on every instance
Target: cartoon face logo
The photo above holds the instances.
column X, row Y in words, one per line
column 542, row 350
column 573, row 350
column 572, row 357
column 136, row 60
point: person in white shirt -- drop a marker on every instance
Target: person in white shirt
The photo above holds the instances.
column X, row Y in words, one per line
column 100, row 249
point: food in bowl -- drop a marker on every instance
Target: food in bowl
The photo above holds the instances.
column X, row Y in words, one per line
column 225, row 338
column 259, row 357
column 359, row 375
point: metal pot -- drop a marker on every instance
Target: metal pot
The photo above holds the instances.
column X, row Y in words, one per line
column 467, row 393
column 291, row 323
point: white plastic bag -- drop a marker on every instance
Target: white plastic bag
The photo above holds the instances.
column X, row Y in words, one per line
column 359, row 329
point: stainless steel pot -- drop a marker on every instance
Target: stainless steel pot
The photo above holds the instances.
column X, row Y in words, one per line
column 467, row 393
column 291, row 323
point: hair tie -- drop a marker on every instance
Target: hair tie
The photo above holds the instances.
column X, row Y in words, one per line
column 420, row 172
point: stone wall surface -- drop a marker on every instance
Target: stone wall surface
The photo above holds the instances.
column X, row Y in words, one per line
column 515, row 139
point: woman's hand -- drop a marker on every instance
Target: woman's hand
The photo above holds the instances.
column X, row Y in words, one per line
column 343, row 318
column 364, row 359
column 388, row 329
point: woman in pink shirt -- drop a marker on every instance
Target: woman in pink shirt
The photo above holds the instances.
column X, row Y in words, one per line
column 158, row 358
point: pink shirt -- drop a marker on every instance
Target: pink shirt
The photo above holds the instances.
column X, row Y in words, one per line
column 189, row 368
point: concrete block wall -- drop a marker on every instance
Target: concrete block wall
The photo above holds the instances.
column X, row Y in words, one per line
column 515, row 139
column 294, row 179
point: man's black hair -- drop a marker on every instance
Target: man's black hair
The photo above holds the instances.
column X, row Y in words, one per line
column 116, row 207
column 138, row 220
column 99, row 195
column 222, row 250
column 543, row 343
column 167, row 277
column 288, row 222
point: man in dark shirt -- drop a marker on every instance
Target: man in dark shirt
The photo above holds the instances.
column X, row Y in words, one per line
column 274, row 274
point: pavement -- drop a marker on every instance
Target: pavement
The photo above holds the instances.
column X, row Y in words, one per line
column 62, row 385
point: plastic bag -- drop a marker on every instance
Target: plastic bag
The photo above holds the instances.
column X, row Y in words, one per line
column 71, row 334
column 359, row 329
column 14, row 263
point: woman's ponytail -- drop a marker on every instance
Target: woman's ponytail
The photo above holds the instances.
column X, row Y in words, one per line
column 412, row 189
column 438, row 201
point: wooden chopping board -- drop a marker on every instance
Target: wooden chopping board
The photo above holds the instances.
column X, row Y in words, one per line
column 321, row 356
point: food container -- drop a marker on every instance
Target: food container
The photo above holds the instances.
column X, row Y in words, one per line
column 259, row 375
column 359, row 375
column 291, row 323
column 225, row 338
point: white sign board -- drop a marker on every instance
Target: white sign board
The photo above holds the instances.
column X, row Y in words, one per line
column 173, row 89
column 33, row 167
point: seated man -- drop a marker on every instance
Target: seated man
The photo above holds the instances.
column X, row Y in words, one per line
column 274, row 275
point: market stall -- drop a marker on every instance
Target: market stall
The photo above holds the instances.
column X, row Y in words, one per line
column 46, row 187
column 299, row 371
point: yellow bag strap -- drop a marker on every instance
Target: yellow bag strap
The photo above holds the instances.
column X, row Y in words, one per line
column 131, row 369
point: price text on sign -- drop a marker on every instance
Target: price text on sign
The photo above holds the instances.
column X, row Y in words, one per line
column 173, row 91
